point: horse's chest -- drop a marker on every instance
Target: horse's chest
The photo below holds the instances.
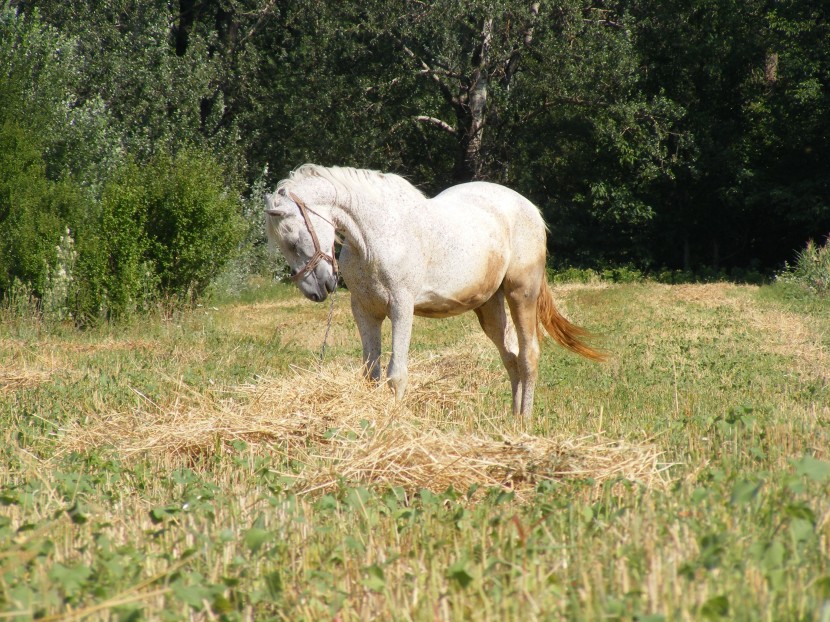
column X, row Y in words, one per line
column 366, row 283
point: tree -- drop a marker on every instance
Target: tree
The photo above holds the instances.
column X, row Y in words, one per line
column 753, row 78
column 146, row 97
column 787, row 180
column 477, row 55
column 484, row 90
column 657, row 133
column 35, row 65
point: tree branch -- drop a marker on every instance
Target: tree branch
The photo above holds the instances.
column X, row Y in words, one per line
column 263, row 13
column 512, row 64
column 561, row 100
column 437, row 123
column 432, row 74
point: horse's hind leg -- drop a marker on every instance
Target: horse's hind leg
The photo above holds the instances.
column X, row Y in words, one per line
column 498, row 327
column 522, row 302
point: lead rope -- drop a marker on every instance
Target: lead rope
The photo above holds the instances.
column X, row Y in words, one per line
column 328, row 325
column 312, row 263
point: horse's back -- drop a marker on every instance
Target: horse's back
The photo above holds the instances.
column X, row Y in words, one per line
column 473, row 236
column 521, row 227
column 478, row 200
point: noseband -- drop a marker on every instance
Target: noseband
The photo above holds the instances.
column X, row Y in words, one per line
column 318, row 253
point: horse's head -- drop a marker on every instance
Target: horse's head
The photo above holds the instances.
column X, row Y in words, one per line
column 306, row 240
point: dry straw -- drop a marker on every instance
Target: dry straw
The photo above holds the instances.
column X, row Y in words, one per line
column 14, row 379
column 335, row 428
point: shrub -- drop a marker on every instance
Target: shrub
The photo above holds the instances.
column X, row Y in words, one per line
column 574, row 275
column 255, row 258
column 622, row 274
column 193, row 224
column 163, row 231
column 112, row 267
column 812, row 268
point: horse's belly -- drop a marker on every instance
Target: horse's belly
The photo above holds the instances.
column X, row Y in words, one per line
column 452, row 293
column 436, row 306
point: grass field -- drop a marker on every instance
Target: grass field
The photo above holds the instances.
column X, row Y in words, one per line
column 206, row 467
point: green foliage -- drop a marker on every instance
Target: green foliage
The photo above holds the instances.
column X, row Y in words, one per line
column 255, row 258
column 37, row 64
column 29, row 228
column 33, row 211
column 116, row 277
column 164, row 231
column 126, row 71
column 671, row 134
column 33, row 206
column 747, row 183
column 141, row 228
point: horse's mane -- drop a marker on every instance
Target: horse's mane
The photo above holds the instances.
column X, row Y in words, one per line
column 353, row 182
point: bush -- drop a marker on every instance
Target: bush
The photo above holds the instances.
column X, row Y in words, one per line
column 115, row 276
column 255, row 260
column 574, row 275
column 812, row 268
column 193, row 224
column 163, row 231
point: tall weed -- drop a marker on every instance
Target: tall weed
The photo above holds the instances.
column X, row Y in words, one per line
column 60, row 281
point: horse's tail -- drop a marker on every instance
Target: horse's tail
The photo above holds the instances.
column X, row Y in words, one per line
column 563, row 332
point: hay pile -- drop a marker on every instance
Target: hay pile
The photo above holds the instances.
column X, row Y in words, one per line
column 338, row 428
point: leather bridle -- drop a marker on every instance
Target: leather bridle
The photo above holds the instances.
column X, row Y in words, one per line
column 319, row 255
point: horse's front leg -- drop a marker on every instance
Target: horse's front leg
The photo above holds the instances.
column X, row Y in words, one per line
column 368, row 325
column 401, row 315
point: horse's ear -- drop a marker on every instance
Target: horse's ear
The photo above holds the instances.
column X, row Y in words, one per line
column 273, row 206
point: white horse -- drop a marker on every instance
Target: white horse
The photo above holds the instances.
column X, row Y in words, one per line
column 471, row 248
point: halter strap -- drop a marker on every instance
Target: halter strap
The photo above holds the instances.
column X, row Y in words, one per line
column 318, row 253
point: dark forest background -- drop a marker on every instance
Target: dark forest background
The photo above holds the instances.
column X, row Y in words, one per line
column 136, row 138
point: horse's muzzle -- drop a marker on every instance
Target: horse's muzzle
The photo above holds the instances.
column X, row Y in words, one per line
column 317, row 289
column 331, row 283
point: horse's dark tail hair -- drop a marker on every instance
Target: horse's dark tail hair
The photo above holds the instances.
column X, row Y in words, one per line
column 565, row 333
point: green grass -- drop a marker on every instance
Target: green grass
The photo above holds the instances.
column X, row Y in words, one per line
column 732, row 383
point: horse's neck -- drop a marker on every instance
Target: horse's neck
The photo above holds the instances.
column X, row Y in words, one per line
column 370, row 221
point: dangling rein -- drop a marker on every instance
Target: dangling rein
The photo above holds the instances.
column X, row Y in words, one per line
column 318, row 253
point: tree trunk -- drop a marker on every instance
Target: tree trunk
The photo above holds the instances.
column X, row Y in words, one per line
column 470, row 98
column 474, row 108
